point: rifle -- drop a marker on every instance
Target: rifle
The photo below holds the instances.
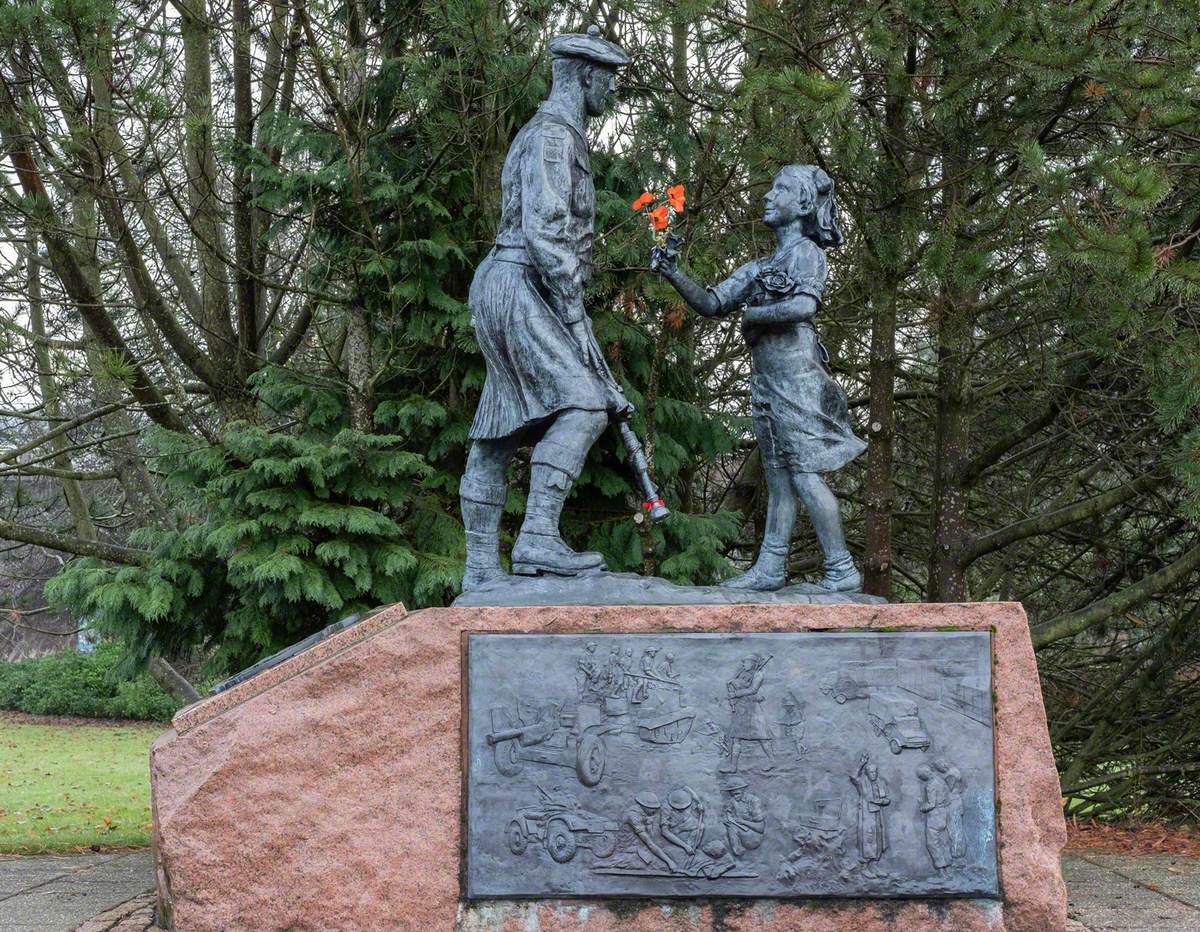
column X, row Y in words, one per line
column 653, row 504
column 651, row 501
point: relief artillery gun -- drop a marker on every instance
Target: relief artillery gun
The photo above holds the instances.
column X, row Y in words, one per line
column 643, row 706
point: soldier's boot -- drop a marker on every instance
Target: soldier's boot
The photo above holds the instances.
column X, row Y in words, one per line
column 482, row 493
column 766, row 575
column 555, row 465
column 841, row 575
column 540, row 547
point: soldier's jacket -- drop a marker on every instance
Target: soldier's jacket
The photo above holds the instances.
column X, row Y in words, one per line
column 549, row 207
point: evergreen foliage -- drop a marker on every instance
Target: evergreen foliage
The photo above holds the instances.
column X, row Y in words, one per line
column 280, row 534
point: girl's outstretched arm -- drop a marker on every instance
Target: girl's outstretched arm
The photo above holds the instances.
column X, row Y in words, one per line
column 665, row 262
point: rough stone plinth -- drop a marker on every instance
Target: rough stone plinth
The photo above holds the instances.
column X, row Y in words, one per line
column 331, row 798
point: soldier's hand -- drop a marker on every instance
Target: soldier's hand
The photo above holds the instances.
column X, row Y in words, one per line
column 581, row 330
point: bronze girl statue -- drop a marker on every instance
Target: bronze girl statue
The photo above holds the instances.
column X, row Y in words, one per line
column 799, row 412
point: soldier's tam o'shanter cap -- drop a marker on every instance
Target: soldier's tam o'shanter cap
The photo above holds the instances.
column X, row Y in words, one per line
column 590, row 47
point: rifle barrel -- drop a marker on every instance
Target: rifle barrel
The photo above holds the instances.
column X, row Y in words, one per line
column 637, row 457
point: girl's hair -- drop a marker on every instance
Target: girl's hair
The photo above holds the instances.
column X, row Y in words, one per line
column 824, row 206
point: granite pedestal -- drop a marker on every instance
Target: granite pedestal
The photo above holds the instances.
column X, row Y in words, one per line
column 328, row 792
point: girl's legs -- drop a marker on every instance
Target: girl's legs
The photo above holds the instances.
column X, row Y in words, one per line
column 769, row 570
column 840, row 572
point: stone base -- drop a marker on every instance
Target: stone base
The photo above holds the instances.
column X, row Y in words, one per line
column 326, row 793
column 602, row 588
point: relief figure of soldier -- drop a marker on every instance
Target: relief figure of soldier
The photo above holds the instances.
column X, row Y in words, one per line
column 640, row 839
column 547, row 383
column 748, row 721
column 800, row 415
column 935, row 803
column 744, row 817
column 955, row 786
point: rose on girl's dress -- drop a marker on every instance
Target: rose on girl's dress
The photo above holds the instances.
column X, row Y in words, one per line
column 775, row 281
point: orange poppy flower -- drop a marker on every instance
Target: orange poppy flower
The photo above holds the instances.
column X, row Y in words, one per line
column 675, row 196
column 659, row 217
column 646, row 198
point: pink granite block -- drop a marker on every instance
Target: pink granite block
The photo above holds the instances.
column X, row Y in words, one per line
column 330, row 798
column 191, row 716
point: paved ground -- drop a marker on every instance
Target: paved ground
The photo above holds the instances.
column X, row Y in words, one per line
column 55, row 894
column 109, row 893
column 1119, row 892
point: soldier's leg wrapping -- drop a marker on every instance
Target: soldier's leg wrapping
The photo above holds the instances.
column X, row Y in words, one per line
column 840, row 573
column 482, row 493
column 770, row 569
column 555, row 465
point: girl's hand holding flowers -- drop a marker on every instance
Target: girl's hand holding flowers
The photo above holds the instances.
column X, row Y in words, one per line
column 665, row 259
column 664, row 256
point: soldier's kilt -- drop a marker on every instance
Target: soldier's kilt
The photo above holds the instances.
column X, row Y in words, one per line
column 534, row 368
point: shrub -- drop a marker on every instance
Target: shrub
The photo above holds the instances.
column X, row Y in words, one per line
column 93, row 685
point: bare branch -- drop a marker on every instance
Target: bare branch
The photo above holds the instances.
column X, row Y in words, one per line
column 1072, row 623
column 101, row 550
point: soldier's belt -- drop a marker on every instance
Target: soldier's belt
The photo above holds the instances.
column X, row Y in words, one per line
column 514, row 254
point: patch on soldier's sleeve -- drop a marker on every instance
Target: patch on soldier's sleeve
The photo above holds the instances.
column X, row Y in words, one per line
column 552, row 147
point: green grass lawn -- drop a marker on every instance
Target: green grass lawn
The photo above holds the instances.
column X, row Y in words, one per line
column 67, row 787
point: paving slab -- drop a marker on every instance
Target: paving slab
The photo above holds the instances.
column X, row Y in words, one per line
column 61, row 892
column 1177, row 877
column 136, row 915
column 21, row 873
column 1123, row 893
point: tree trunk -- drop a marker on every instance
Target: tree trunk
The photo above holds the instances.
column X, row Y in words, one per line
column 243, row 213
column 877, row 562
column 204, row 201
column 172, row 680
column 881, row 423
column 77, row 502
column 947, row 574
column 359, row 369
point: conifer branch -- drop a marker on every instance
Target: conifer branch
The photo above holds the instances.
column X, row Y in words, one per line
column 1052, row 521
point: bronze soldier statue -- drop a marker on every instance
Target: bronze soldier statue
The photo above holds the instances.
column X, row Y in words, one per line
column 547, row 382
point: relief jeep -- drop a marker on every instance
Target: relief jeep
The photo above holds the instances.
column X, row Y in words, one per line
column 561, row 826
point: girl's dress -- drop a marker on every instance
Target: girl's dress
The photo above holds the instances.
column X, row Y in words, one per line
column 800, row 413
